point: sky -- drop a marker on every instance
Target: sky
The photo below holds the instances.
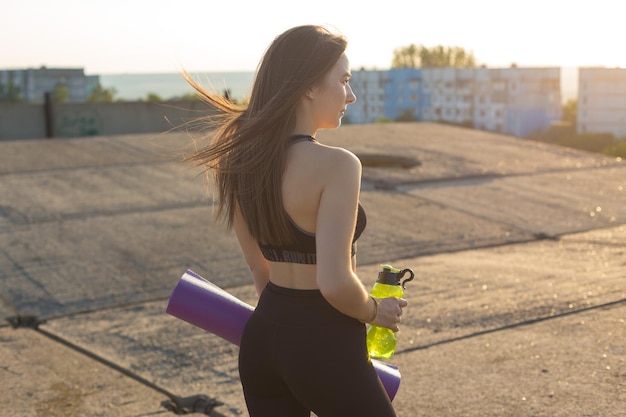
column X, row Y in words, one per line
column 154, row 36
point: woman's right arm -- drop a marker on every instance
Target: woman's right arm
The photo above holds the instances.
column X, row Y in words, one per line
column 336, row 221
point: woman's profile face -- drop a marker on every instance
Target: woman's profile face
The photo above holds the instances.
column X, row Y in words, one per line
column 333, row 95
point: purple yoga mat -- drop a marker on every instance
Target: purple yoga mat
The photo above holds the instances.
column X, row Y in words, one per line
column 207, row 306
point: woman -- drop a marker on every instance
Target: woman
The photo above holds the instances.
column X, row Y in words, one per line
column 293, row 203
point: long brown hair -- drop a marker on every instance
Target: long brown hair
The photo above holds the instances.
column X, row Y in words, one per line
column 248, row 148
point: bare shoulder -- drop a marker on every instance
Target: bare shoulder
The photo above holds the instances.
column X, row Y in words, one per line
column 337, row 161
column 315, row 166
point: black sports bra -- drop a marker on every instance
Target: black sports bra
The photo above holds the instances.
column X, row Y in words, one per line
column 303, row 249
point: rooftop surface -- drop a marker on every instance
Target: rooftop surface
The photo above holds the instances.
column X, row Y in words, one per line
column 517, row 308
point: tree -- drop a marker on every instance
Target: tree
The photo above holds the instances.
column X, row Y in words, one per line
column 406, row 57
column 440, row 56
column 569, row 111
column 617, row 150
column 10, row 93
column 153, row 97
column 188, row 97
column 406, row 116
column 60, row 94
column 100, row 94
column 564, row 134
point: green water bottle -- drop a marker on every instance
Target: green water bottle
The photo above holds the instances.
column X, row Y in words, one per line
column 381, row 341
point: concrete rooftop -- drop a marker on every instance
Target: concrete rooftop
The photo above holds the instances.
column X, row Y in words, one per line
column 517, row 308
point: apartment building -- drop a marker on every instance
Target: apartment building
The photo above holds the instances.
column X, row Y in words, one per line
column 402, row 94
column 368, row 88
column 513, row 101
column 602, row 101
column 448, row 95
column 33, row 83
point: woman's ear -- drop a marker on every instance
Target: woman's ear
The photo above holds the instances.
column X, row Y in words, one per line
column 311, row 92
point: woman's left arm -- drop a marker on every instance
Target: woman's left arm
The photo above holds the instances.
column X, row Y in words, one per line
column 259, row 266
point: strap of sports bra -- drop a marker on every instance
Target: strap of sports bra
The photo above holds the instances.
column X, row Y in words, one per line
column 300, row 138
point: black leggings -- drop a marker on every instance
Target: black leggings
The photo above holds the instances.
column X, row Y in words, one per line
column 299, row 354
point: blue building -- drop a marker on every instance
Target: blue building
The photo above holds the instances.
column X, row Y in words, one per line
column 402, row 90
column 514, row 101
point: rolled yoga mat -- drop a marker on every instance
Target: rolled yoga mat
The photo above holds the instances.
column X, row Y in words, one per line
column 205, row 305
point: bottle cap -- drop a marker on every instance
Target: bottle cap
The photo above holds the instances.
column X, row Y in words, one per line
column 392, row 276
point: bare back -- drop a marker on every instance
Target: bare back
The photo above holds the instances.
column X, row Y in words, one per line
column 309, row 168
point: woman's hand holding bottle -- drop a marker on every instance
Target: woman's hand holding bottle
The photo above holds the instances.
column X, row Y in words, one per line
column 389, row 312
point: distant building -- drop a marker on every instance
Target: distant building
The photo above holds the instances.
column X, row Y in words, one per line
column 33, row 83
column 531, row 97
column 368, row 88
column 602, row 101
column 515, row 101
column 448, row 95
column 402, row 94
